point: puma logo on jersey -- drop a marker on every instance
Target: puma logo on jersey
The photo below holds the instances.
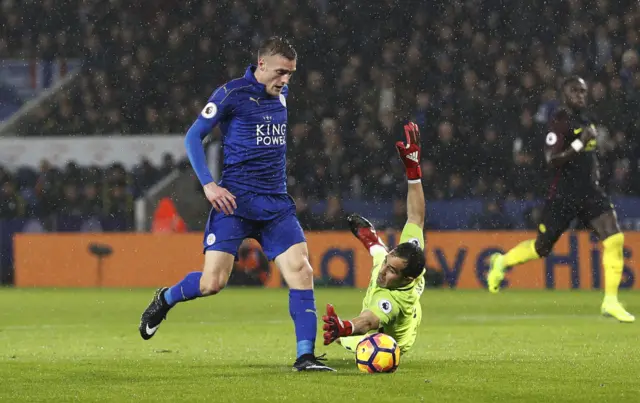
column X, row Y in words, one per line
column 256, row 100
column 413, row 156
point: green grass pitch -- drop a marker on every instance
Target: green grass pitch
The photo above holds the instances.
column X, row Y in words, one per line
column 517, row 346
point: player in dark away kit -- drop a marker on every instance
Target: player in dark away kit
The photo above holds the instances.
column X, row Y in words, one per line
column 575, row 191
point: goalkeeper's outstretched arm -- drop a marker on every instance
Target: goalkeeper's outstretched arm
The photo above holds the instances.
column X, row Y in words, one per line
column 335, row 327
column 415, row 205
column 410, row 153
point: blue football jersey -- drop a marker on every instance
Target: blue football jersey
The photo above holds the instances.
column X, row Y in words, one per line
column 254, row 129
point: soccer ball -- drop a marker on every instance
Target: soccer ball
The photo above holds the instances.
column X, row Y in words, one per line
column 377, row 353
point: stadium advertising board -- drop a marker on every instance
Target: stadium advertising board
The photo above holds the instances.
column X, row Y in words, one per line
column 147, row 260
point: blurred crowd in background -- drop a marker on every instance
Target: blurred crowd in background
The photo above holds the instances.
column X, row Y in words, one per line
column 76, row 191
column 479, row 77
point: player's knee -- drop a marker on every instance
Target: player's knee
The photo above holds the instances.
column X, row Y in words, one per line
column 295, row 267
column 543, row 249
column 295, row 260
column 300, row 268
column 212, row 287
column 216, row 271
column 298, row 271
column 213, row 283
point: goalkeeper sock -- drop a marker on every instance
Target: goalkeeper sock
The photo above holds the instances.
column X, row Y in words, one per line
column 185, row 290
column 613, row 263
column 302, row 308
column 521, row 253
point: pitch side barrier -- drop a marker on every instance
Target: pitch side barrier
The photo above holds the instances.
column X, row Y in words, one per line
column 338, row 259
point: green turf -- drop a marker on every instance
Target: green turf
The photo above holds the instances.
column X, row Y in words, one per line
column 83, row 345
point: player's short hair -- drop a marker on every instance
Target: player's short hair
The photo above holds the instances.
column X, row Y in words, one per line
column 277, row 45
column 414, row 256
column 572, row 80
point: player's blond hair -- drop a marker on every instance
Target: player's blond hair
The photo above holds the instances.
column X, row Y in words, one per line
column 277, row 45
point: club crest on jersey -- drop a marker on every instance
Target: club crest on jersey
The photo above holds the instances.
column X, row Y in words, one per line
column 211, row 239
column 283, row 100
column 209, row 110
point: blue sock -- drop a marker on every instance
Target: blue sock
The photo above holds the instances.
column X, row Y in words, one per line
column 302, row 307
column 187, row 289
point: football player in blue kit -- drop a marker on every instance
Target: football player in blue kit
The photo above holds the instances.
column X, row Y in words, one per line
column 251, row 199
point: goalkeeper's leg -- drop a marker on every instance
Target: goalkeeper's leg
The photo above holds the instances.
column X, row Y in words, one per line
column 350, row 343
column 366, row 233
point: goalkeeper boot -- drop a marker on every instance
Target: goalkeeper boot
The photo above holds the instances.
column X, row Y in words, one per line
column 611, row 307
column 309, row 362
column 364, row 231
column 496, row 272
column 155, row 313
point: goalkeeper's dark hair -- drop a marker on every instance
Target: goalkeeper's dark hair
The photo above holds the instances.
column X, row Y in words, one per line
column 571, row 80
column 277, row 45
column 413, row 255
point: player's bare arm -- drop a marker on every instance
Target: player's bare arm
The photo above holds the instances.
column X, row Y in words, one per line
column 365, row 322
column 410, row 153
column 335, row 327
column 415, row 204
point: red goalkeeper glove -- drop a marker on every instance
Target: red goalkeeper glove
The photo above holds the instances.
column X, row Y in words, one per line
column 334, row 327
column 410, row 152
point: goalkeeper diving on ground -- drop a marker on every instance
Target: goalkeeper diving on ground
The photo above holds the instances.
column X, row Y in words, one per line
column 392, row 302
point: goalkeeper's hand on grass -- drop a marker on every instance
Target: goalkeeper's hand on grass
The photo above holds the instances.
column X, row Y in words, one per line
column 334, row 327
column 410, row 152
